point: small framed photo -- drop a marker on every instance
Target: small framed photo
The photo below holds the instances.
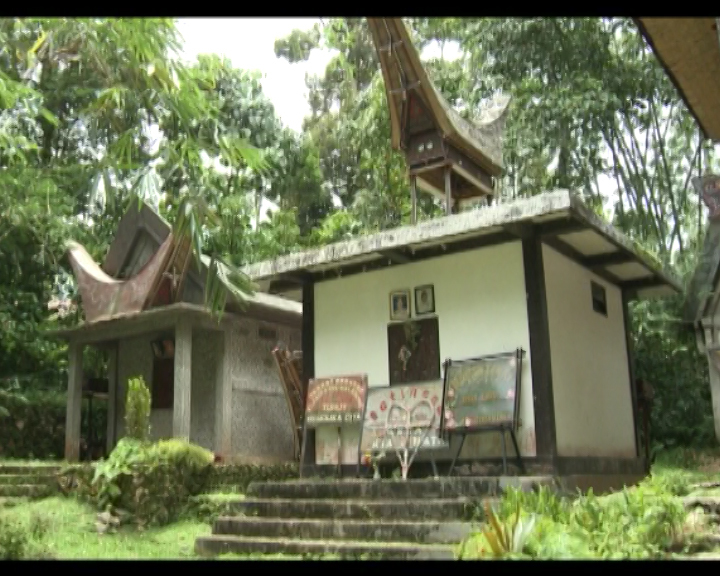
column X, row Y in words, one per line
column 400, row 305
column 425, row 299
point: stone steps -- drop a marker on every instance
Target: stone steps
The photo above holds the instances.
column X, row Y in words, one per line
column 224, row 544
column 428, row 532
column 31, row 469
column 391, row 489
column 16, row 479
column 397, row 509
column 21, row 483
column 26, row 490
column 391, row 519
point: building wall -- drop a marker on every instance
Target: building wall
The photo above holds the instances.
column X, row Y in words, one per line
column 481, row 307
column 261, row 423
column 590, row 373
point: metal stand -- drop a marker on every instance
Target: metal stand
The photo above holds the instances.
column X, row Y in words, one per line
column 502, row 430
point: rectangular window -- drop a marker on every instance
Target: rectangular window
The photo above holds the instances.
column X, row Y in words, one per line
column 599, row 302
column 162, row 394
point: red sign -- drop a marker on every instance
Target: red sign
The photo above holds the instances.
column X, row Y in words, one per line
column 336, row 400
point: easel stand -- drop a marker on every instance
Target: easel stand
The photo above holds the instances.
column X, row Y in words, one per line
column 502, row 429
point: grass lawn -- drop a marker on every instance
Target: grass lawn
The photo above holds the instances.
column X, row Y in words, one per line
column 68, row 532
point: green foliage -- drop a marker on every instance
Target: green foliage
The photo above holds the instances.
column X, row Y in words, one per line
column 500, row 539
column 542, row 502
column 137, row 410
column 152, row 482
column 14, row 540
column 35, row 428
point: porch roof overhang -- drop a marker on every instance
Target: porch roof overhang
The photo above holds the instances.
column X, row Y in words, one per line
column 689, row 51
column 163, row 318
column 559, row 219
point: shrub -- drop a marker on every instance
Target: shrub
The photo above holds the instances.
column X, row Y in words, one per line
column 14, row 540
column 152, row 482
column 137, row 410
column 35, row 428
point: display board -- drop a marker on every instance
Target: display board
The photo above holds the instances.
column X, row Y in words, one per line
column 335, row 400
column 412, row 410
column 482, row 392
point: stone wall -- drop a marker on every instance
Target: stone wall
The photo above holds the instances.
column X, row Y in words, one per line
column 261, row 423
column 262, row 426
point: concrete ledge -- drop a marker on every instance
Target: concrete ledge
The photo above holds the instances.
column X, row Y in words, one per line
column 397, row 509
column 453, row 487
column 213, row 545
column 363, row 530
column 600, row 483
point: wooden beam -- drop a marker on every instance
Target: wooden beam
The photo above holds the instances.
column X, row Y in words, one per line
column 413, row 200
column 396, row 256
column 520, row 230
column 448, row 191
column 558, row 227
column 540, row 364
column 636, row 285
column 631, row 369
column 609, row 259
column 569, row 252
column 308, row 360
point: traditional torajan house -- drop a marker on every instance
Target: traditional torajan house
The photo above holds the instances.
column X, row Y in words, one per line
column 214, row 383
column 689, row 50
column 544, row 274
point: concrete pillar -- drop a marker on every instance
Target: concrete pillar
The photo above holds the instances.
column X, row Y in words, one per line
column 112, row 397
column 714, row 374
column 223, row 396
column 74, row 402
column 183, row 380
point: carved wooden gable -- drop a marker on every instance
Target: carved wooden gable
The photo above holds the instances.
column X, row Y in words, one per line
column 414, row 351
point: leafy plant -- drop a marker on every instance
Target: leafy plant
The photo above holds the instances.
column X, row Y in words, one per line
column 501, row 539
column 137, row 410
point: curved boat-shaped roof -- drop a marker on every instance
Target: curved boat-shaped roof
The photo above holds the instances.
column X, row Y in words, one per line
column 402, row 70
column 104, row 296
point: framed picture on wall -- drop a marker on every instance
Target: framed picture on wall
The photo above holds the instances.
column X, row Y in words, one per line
column 425, row 299
column 399, row 305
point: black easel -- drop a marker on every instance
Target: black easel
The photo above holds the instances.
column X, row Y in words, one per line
column 502, row 428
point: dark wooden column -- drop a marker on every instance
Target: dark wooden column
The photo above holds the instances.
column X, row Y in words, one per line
column 448, row 191
column 413, row 199
column 308, row 350
column 631, row 370
column 540, row 366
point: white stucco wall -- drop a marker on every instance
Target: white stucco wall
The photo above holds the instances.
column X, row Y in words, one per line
column 588, row 353
column 481, row 307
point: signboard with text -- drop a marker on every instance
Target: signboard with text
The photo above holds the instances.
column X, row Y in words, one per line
column 336, row 400
column 396, row 413
column 482, row 392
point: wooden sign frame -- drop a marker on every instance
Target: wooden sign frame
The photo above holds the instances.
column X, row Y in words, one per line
column 501, row 427
column 339, row 425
